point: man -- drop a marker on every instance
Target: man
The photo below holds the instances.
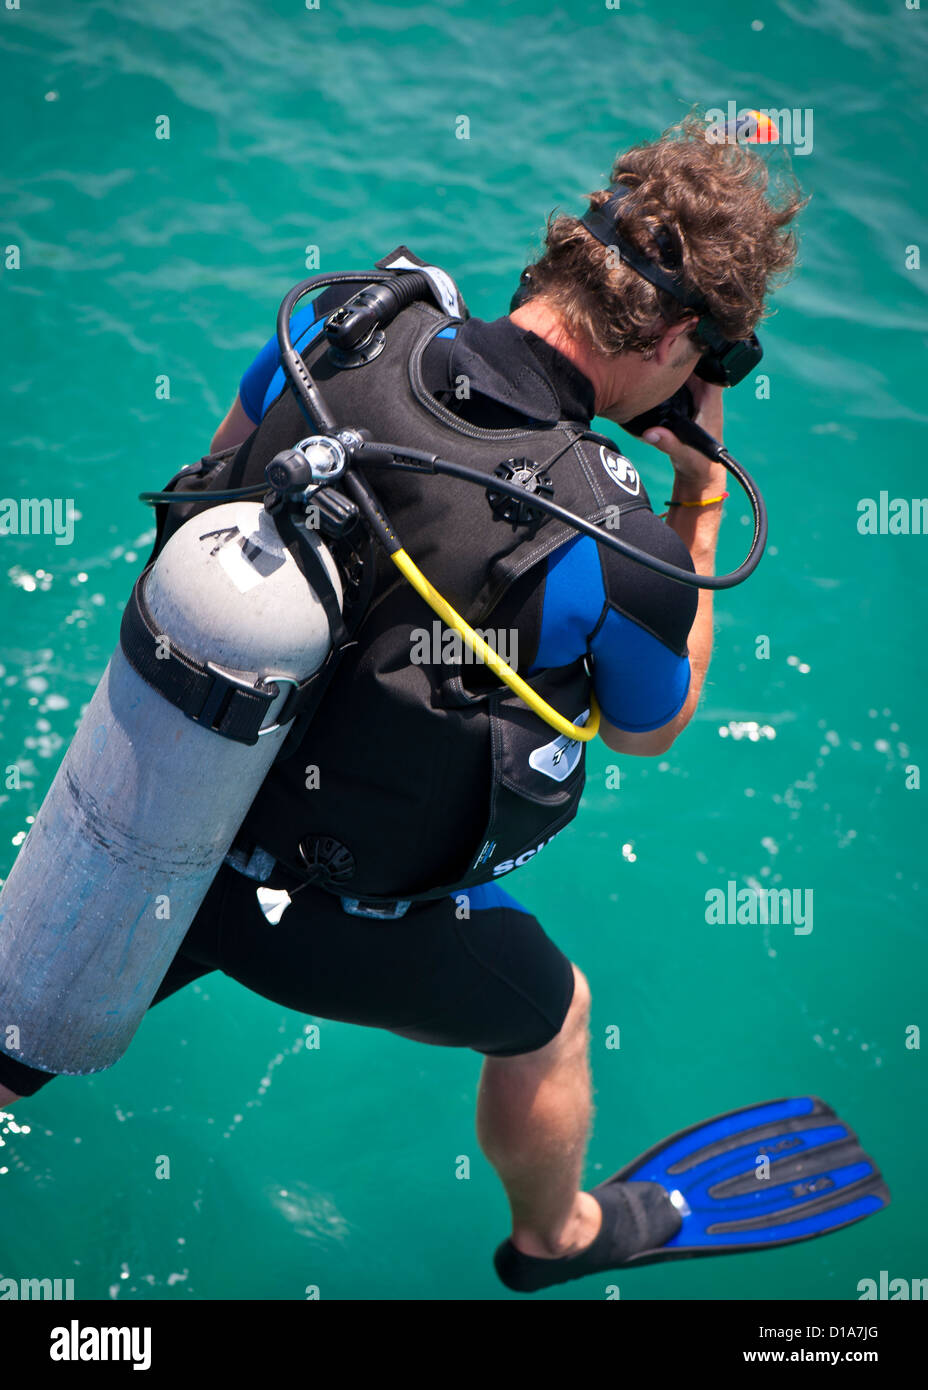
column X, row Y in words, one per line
column 593, row 338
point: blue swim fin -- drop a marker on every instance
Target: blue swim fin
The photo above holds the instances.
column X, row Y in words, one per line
column 819, row 1179
column 706, row 1191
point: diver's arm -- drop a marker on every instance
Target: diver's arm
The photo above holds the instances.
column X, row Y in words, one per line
column 649, row 745
column 696, row 479
column 698, row 528
column 234, row 430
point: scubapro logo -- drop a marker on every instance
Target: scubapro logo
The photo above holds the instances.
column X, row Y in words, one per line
column 508, row 865
column 620, row 470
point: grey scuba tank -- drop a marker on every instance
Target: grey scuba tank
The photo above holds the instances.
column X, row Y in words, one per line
column 147, row 800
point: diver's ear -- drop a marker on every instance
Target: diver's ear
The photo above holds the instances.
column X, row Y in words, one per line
column 675, row 345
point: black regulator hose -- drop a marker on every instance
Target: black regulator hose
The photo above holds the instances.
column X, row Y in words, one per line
column 673, row 414
column 230, row 494
column 383, row 295
column 395, row 456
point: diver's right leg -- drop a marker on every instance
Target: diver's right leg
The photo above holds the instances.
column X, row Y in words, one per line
column 533, row 1122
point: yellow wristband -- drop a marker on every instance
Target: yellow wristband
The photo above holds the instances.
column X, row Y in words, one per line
column 704, row 503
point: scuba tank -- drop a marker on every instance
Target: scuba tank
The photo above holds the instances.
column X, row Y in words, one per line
column 156, row 782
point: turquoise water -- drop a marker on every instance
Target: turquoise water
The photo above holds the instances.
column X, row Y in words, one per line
column 141, row 257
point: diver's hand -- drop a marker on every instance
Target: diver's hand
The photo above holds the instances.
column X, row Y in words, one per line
column 694, row 473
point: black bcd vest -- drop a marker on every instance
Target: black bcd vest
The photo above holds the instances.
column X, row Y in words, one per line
column 421, row 777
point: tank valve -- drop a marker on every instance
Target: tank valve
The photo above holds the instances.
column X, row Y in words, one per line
column 318, row 459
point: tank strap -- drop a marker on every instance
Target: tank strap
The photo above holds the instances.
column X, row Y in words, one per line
column 219, row 699
column 315, row 574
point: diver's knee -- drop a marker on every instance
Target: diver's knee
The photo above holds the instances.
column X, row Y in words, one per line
column 573, row 1036
column 578, row 1015
column 569, row 1041
column 575, row 1026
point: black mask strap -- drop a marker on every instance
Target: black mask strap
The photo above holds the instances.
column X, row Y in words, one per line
column 601, row 224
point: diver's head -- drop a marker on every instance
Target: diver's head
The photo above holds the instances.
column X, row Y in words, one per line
column 628, row 383
column 692, row 211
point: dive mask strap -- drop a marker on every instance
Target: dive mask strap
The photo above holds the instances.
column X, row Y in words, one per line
column 601, row 224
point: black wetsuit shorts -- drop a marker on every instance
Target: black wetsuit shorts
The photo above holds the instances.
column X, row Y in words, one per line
column 474, row 971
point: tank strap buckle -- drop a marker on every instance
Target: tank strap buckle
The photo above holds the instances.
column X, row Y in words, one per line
column 223, row 701
column 226, row 687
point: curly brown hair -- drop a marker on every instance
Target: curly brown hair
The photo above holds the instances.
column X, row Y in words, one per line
column 728, row 241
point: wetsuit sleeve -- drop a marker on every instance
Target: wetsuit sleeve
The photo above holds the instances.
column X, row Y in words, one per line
column 640, row 684
column 642, row 667
column 632, row 622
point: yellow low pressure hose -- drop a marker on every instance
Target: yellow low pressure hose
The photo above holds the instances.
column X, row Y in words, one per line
column 410, row 570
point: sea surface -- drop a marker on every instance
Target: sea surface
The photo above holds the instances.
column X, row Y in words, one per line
column 143, row 258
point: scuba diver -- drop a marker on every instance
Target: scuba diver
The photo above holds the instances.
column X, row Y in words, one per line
column 364, row 883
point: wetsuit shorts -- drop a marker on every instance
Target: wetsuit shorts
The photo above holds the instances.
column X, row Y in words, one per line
column 492, row 981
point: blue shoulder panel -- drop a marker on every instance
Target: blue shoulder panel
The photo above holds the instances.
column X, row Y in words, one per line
column 263, row 382
column 487, row 895
column 640, row 683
